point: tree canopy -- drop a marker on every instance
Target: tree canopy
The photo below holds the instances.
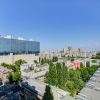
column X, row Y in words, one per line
column 10, row 77
column 17, row 77
column 19, row 62
column 48, row 95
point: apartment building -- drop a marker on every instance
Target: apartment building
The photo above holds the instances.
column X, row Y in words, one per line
column 49, row 55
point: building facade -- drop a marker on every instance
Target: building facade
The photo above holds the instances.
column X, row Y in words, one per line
column 9, row 45
column 49, row 55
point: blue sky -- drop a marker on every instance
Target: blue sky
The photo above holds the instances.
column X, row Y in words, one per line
column 55, row 23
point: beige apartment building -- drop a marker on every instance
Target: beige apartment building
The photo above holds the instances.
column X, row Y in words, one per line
column 4, row 73
column 49, row 55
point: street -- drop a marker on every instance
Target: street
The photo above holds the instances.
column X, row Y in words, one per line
column 14, row 96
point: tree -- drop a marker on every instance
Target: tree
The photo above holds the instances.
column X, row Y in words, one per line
column 64, row 77
column 59, row 78
column 63, row 65
column 47, row 80
column 55, row 58
column 94, row 61
column 19, row 62
column 42, row 61
column 35, row 61
column 85, row 75
column 58, row 66
column 10, row 77
column 45, row 60
column 52, row 76
column 77, row 69
column 87, row 64
column 17, row 77
column 72, row 59
column 48, row 95
column 70, row 87
column 31, row 68
column 4, row 64
column 51, row 63
column 81, row 65
column 13, row 67
column 0, row 81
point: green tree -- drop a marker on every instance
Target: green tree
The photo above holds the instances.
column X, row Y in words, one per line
column 77, row 69
column 47, row 79
column 63, row 65
column 48, row 93
column 17, row 77
column 70, row 87
column 31, row 68
column 87, row 64
column 64, row 77
column 35, row 61
column 13, row 67
column 58, row 66
column 59, row 78
column 56, row 58
column 51, row 63
column 52, row 75
column 81, row 65
column 85, row 76
column 42, row 61
column 0, row 81
column 19, row 62
column 72, row 59
column 4, row 64
column 94, row 61
column 45, row 60
column 10, row 77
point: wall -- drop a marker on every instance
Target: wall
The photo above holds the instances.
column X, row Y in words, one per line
column 10, row 59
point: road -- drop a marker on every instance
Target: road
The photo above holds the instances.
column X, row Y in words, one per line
column 4, row 90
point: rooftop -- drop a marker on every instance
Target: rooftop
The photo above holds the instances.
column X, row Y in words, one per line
column 91, row 93
column 5, row 70
column 39, row 87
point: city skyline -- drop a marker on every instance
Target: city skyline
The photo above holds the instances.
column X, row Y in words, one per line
column 55, row 24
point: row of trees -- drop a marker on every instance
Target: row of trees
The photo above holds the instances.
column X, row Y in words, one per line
column 72, row 81
column 15, row 67
column 57, row 75
column 78, row 78
column 44, row 61
column 55, row 58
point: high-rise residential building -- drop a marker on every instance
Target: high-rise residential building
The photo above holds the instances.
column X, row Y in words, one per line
column 69, row 50
column 65, row 50
column 16, row 46
column 80, row 49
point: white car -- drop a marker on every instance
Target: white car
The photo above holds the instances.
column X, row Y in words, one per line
column 10, row 92
column 3, row 96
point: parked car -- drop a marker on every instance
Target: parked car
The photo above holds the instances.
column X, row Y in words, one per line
column 3, row 96
column 10, row 92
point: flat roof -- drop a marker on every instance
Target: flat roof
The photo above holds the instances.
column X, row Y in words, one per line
column 92, row 94
column 39, row 87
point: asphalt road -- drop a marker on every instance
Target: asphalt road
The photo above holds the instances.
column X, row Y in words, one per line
column 4, row 90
